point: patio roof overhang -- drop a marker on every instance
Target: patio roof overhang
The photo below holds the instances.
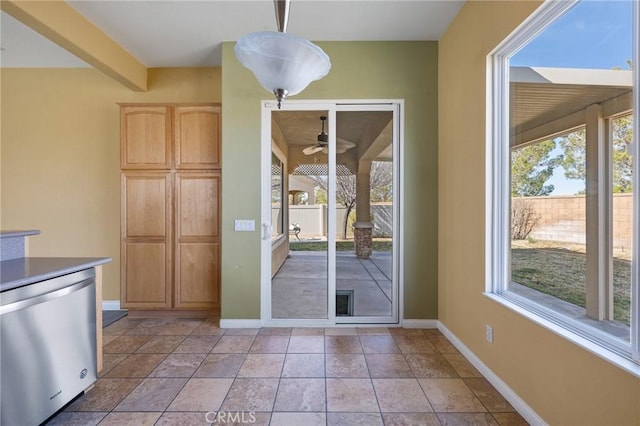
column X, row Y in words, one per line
column 549, row 102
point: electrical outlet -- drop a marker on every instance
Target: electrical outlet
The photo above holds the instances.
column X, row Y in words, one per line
column 489, row 334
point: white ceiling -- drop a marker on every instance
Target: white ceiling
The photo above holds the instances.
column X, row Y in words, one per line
column 184, row 33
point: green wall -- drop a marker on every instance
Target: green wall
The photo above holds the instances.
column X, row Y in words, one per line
column 360, row 70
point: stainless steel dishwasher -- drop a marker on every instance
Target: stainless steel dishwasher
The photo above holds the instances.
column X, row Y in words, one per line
column 47, row 346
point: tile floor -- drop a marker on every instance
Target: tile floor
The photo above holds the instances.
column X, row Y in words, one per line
column 183, row 371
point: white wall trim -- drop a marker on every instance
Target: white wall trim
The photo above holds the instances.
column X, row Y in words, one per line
column 518, row 403
column 420, row 323
column 240, row 323
column 110, row 305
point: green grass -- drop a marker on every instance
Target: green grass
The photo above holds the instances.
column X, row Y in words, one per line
column 340, row 245
column 562, row 274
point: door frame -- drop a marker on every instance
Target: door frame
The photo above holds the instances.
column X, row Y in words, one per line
column 332, row 107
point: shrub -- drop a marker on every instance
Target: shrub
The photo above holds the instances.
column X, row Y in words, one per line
column 523, row 219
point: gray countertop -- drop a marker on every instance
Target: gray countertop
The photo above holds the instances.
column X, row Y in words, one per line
column 16, row 273
column 13, row 234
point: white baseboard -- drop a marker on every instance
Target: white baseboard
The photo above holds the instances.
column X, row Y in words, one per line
column 240, row 323
column 420, row 323
column 110, row 305
column 518, row 403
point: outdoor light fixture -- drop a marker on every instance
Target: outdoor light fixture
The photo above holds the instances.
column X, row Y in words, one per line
column 283, row 63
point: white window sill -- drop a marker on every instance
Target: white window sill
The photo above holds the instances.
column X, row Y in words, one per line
column 623, row 362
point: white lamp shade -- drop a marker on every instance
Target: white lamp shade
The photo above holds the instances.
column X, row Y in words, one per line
column 282, row 60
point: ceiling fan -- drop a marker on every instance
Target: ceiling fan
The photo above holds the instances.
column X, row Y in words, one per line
column 322, row 143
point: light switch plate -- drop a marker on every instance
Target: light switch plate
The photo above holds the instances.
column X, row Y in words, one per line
column 244, row 225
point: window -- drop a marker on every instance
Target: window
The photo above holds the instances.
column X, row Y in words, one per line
column 562, row 175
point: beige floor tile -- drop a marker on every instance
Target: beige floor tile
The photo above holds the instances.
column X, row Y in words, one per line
column 340, row 331
column 462, row 366
column 388, row 366
column 306, row 344
column 443, row 345
column 346, row 365
column 431, row 332
column 233, row 344
column 430, row 366
column 150, row 327
column 342, row 345
column 136, row 365
column 451, row 395
column 301, row 395
column 489, row 396
column 415, row 344
column 109, row 361
column 467, row 419
column 351, row 395
column 160, row 345
column 69, row 418
column 107, row 338
column 398, row 331
column 401, row 395
column 220, row 365
column 241, row 331
column 208, row 327
column 404, row 419
column 122, row 326
column 270, row 344
column 185, row 419
column 275, row 331
column 262, row 365
column 372, row 331
column 130, row 419
column 510, row 419
column 105, row 395
column 152, row 395
column 372, row 344
column 201, row 395
column 291, row 419
column 181, row 327
column 304, row 365
column 178, row 365
column 351, row 419
column 197, row 344
column 251, row 395
column 125, row 344
column 308, row 331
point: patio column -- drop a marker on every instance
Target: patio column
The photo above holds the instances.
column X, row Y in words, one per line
column 599, row 283
column 363, row 227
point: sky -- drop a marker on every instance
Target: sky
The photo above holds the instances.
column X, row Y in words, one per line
column 592, row 34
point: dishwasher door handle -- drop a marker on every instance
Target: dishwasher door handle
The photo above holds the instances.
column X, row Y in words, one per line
column 41, row 298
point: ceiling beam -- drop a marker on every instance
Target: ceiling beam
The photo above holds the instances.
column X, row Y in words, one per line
column 63, row 25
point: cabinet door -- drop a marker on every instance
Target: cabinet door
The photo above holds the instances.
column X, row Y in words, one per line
column 197, row 137
column 197, row 250
column 145, row 140
column 146, row 249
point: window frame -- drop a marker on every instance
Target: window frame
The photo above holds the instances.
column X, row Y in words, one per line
column 626, row 355
column 284, row 198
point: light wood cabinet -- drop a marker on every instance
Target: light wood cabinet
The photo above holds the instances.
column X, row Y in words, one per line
column 170, row 220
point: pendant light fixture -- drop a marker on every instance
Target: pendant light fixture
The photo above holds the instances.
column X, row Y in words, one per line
column 283, row 63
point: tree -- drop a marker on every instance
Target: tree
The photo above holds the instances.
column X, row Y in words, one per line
column 531, row 168
column 380, row 186
column 574, row 158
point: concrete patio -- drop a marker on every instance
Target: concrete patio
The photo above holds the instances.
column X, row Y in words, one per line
column 299, row 288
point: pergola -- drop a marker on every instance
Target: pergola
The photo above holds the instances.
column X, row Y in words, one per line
column 549, row 102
